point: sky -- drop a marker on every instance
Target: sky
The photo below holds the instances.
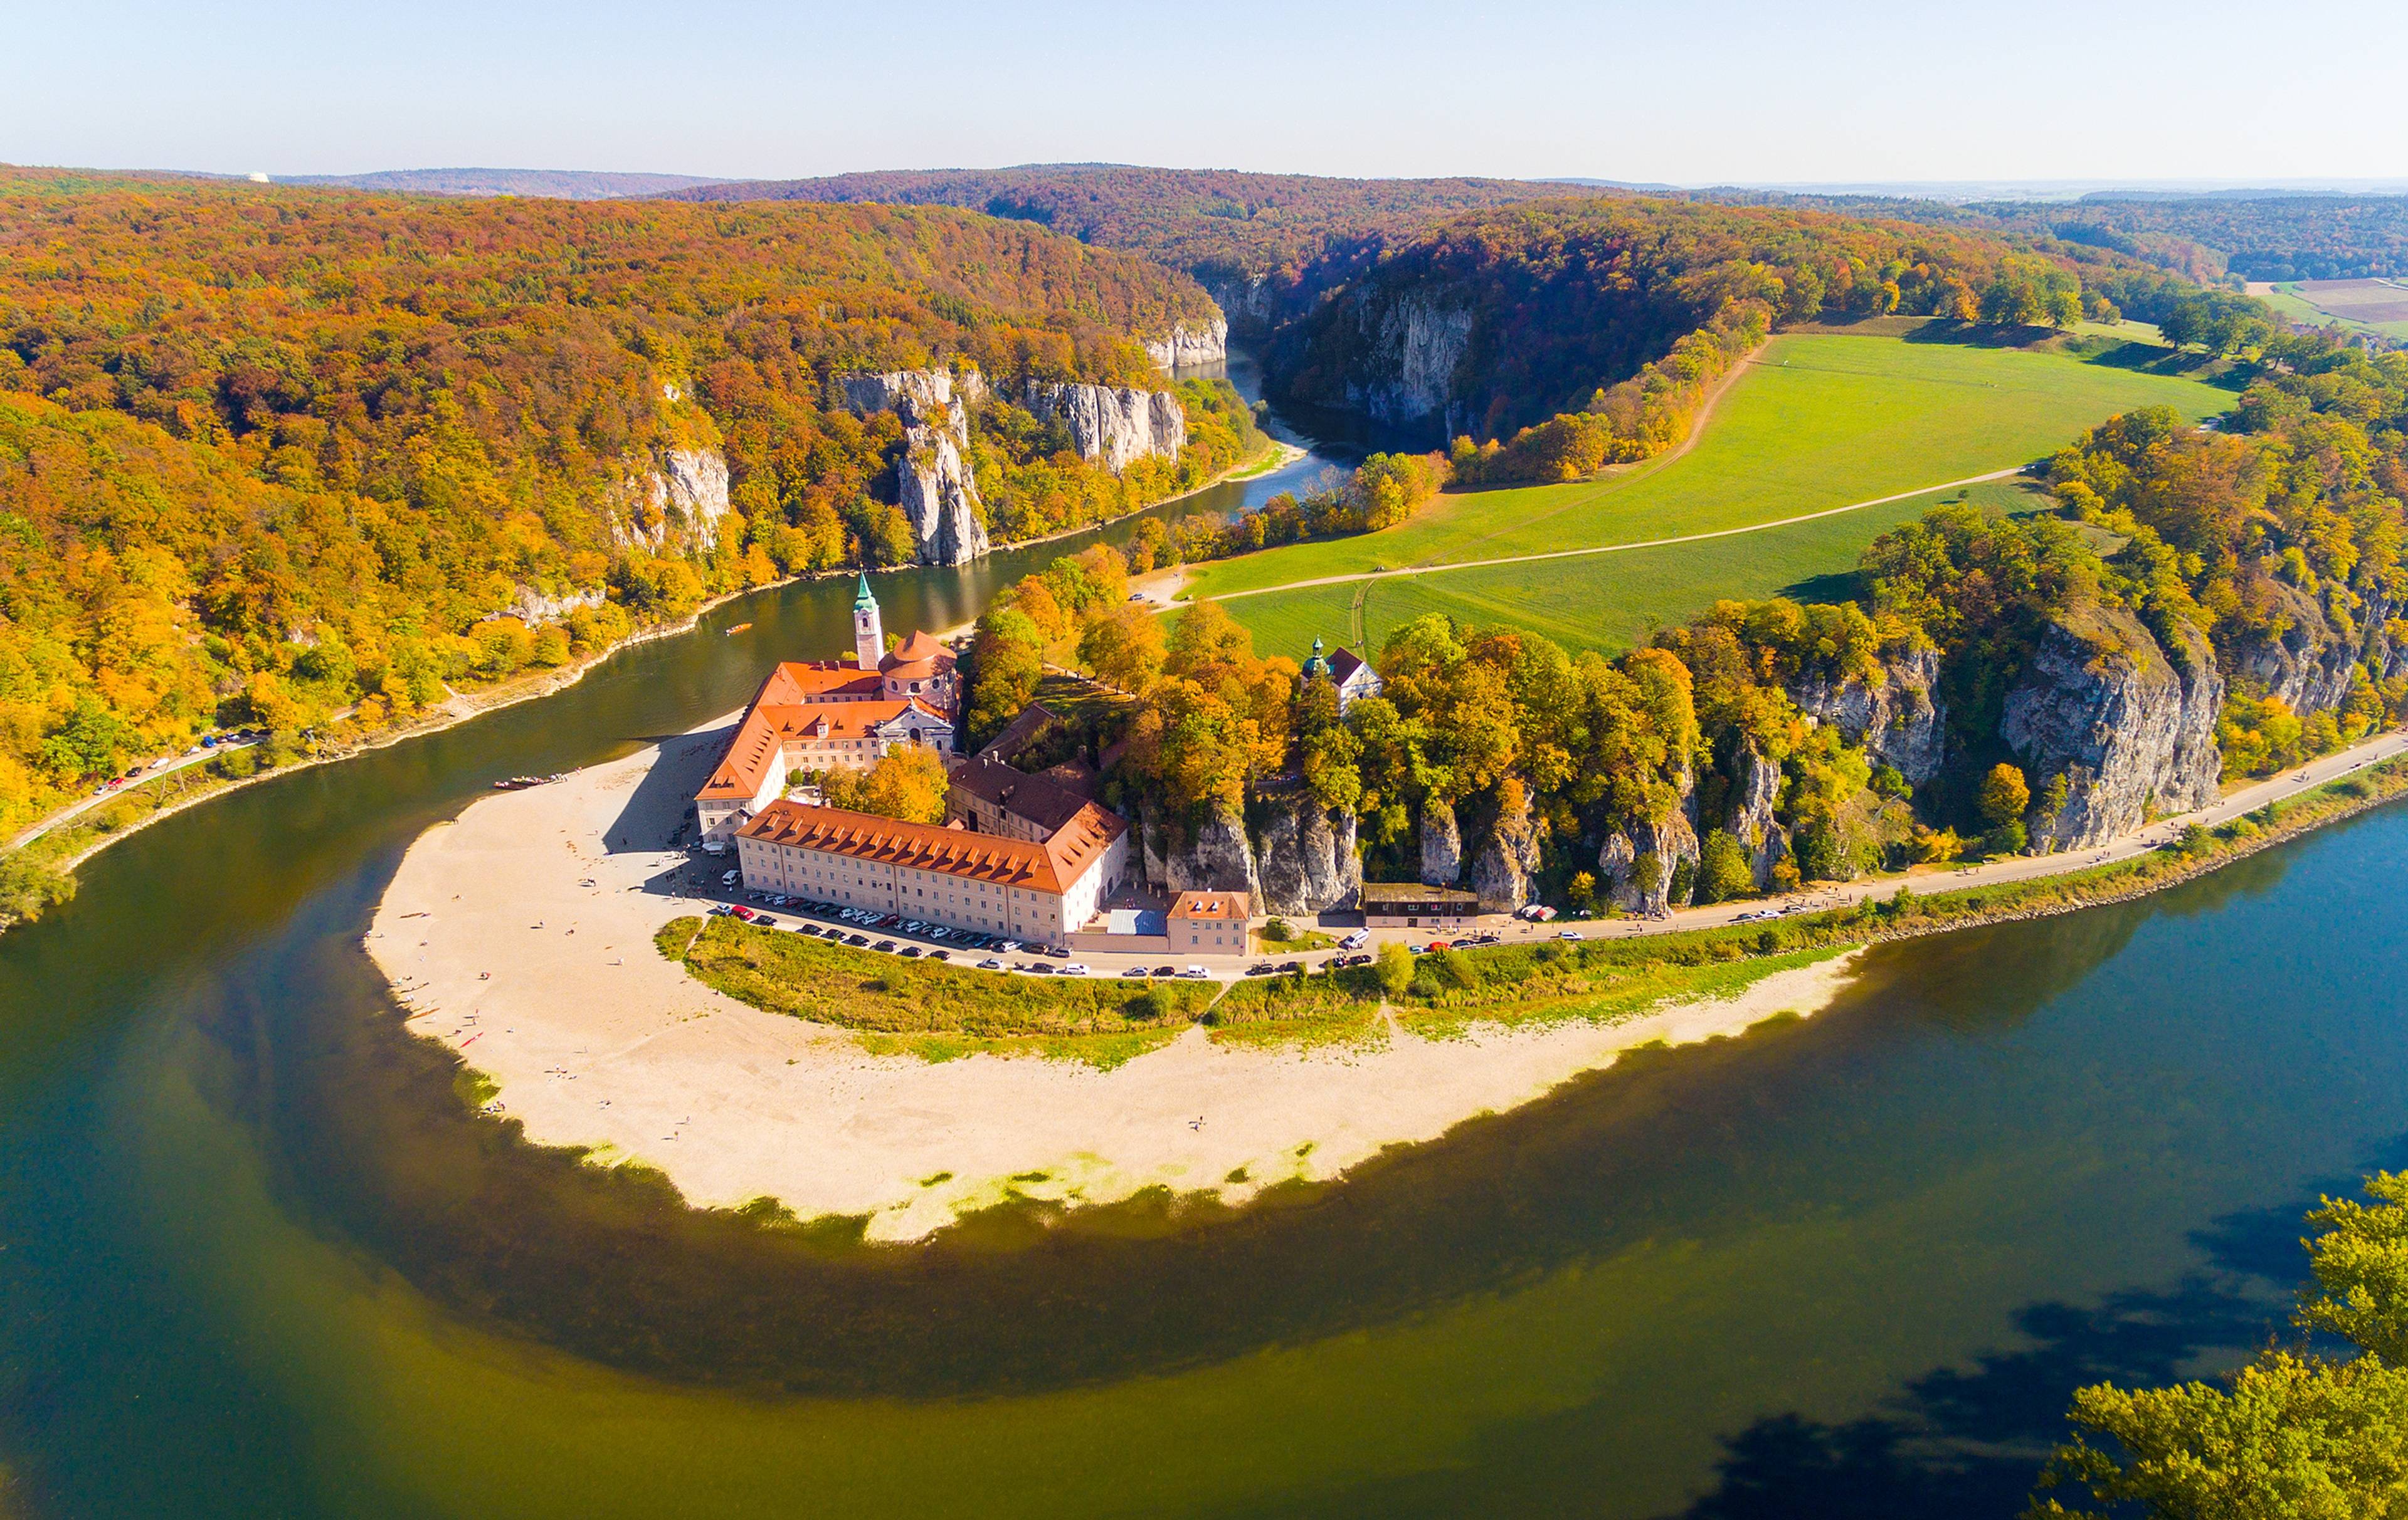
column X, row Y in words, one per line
column 1684, row 94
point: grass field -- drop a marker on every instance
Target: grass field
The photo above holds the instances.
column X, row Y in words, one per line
column 1819, row 421
column 1603, row 601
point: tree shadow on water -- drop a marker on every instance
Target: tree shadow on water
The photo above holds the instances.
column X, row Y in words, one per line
column 1970, row 1441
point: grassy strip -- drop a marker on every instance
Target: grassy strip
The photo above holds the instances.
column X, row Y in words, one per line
column 933, row 1009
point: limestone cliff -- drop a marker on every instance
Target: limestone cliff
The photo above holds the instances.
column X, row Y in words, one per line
column 673, row 505
column 1508, row 857
column 1299, row 860
column 1891, row 714
column 1442, row 844
column 2129, row 732
column 1755, row 788
column 1670, row 839
column 1112, row 423
column 933, row 483
column 2313, row 662
column 532, row 606
column 1305, row 859
column 1189, row 344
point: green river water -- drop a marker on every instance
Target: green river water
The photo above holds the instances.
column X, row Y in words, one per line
column 257, row 1260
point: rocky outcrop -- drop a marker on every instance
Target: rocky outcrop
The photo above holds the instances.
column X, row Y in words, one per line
column 532, row 606
column 1301, row 860
column 1668, row 841
column 1892, row 714
column 1755, row 788
column 1413, row 348
column 2129, row 732
column 1249, row 303
column 1189, row 344
column 933, row 483
column 1212, row 856
column 2313, row 663
column 1112, row 423
column 1508, row 857
column 673, row 506
column 1442, row 843
column 1304, row 857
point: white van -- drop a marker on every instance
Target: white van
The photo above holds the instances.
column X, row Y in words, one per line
column 731, row 879
column 1355, row 941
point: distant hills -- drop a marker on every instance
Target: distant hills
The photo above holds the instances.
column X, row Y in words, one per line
column 545, row 184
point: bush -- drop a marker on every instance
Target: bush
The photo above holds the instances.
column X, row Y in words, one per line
column 236, row 764
column 1395, row 968
column 1722, row 870
column 2008, row 839
column 1685, row 881
column 1277, row 931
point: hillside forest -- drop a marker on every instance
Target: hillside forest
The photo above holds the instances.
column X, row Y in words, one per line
column 2265, row 553
column 308, row 458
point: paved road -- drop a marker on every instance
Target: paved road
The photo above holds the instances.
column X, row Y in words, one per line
column 68, row 815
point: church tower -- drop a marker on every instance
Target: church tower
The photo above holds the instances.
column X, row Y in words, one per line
column 869, row 632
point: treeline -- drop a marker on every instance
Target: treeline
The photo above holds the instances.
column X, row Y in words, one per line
column 302, row 458
column 1227, row 227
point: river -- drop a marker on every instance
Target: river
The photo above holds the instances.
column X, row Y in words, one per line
column 257, row 1260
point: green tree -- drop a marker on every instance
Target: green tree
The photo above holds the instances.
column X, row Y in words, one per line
column 1723, row 869
column 1394, row 966
column 2294, row 1435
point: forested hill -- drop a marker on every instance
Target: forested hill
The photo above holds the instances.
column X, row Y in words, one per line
column 1498, row 319
column 1237, row 232
column 551, row 184
column 270, row 454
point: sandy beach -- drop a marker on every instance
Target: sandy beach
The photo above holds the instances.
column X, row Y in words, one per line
column 521, row 935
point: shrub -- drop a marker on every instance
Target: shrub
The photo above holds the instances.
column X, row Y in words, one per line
column 1395, row 967
column 1278, row 931
column 2008, row 839
column 1685, row 881
column 1723, row 869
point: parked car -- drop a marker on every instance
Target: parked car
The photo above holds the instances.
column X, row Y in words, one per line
column 1166, row 970
column 991, row 964
column 811, row 929
column 1196, row 971
column 1133, row 970
column 1074, row 969
column 1355, row 941
column 886, row 945
column 1259, row 969
column 1568, row 934
column 765, row 921
column 856, row 941
column 1286, row 966
column 913, row 952
column 744, row 913
column 940, row 955
column 731, row 878
column 1004, row 947
column 1037, row 968
column 1057, row 951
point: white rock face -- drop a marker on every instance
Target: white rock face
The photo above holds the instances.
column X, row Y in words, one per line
column 532, row 606
column 933, row 483
column 1206, row 343
column 1441, row 842
column 1414, row 348
column 675, row 504
column 2100, row 707
column 1893, row 716
column 1113, row 423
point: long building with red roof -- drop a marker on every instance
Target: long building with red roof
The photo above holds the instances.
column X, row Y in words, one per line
column 1037, row 891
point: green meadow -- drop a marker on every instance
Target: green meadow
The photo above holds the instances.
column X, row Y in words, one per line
column 1604, row 601
column 1819, row 421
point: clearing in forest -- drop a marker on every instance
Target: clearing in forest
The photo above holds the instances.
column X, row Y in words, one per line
column 1817, row 420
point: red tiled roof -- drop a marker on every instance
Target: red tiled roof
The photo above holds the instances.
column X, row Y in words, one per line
column 1226, row 907
column 1051, row 867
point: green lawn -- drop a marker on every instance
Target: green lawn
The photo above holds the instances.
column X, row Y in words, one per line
column 1821, row 419
column 2297, row 305
column 1602, row 601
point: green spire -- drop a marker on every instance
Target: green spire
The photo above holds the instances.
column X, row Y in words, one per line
column 861, row 597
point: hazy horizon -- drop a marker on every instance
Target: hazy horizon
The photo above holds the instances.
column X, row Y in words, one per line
column 1746, row 93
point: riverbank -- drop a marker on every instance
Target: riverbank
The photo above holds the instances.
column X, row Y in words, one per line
column 520, row 936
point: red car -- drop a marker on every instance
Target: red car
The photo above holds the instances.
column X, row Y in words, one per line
column 740, row 913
